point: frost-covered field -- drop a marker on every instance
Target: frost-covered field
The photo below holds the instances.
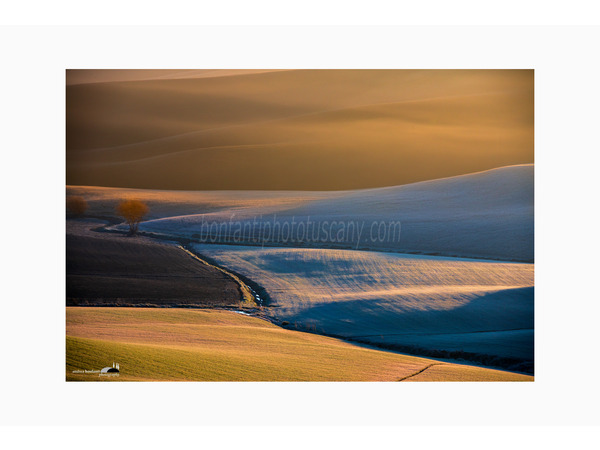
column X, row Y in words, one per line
column 482, row 215
column 434, row 303
column 486, row 215
column 339, row 277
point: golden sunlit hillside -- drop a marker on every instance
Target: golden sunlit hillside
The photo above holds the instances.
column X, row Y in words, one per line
column 208, row 345
column 298, row 129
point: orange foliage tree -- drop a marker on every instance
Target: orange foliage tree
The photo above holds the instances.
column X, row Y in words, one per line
column 133, row 211
column 76, row 205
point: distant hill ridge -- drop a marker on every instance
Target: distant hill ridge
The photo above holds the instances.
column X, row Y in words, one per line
column 296, row 129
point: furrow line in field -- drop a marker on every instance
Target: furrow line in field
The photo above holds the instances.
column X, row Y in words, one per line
column 420, row 371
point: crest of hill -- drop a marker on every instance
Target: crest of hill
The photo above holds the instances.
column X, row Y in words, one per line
column 504, row 189
column 487, row 214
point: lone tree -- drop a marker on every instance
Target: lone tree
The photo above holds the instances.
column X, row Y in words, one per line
column 133, row 211
column 76, row 205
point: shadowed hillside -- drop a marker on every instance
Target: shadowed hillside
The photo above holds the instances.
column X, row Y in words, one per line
column 419, row 304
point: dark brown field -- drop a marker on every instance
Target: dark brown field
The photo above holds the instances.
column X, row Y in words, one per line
column 113, row 269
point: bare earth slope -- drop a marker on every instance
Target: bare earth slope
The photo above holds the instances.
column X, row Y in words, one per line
column 118, row 270
column 298, row 129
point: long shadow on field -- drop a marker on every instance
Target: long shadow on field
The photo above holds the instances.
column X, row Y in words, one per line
column 494, row 328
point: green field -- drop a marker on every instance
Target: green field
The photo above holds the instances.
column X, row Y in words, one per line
column 152, row 344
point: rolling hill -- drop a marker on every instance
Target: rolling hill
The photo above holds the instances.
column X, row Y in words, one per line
column 482, row 215
column 210, row 345
column 294, row 130
column 453, row 306
column 481, row 310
